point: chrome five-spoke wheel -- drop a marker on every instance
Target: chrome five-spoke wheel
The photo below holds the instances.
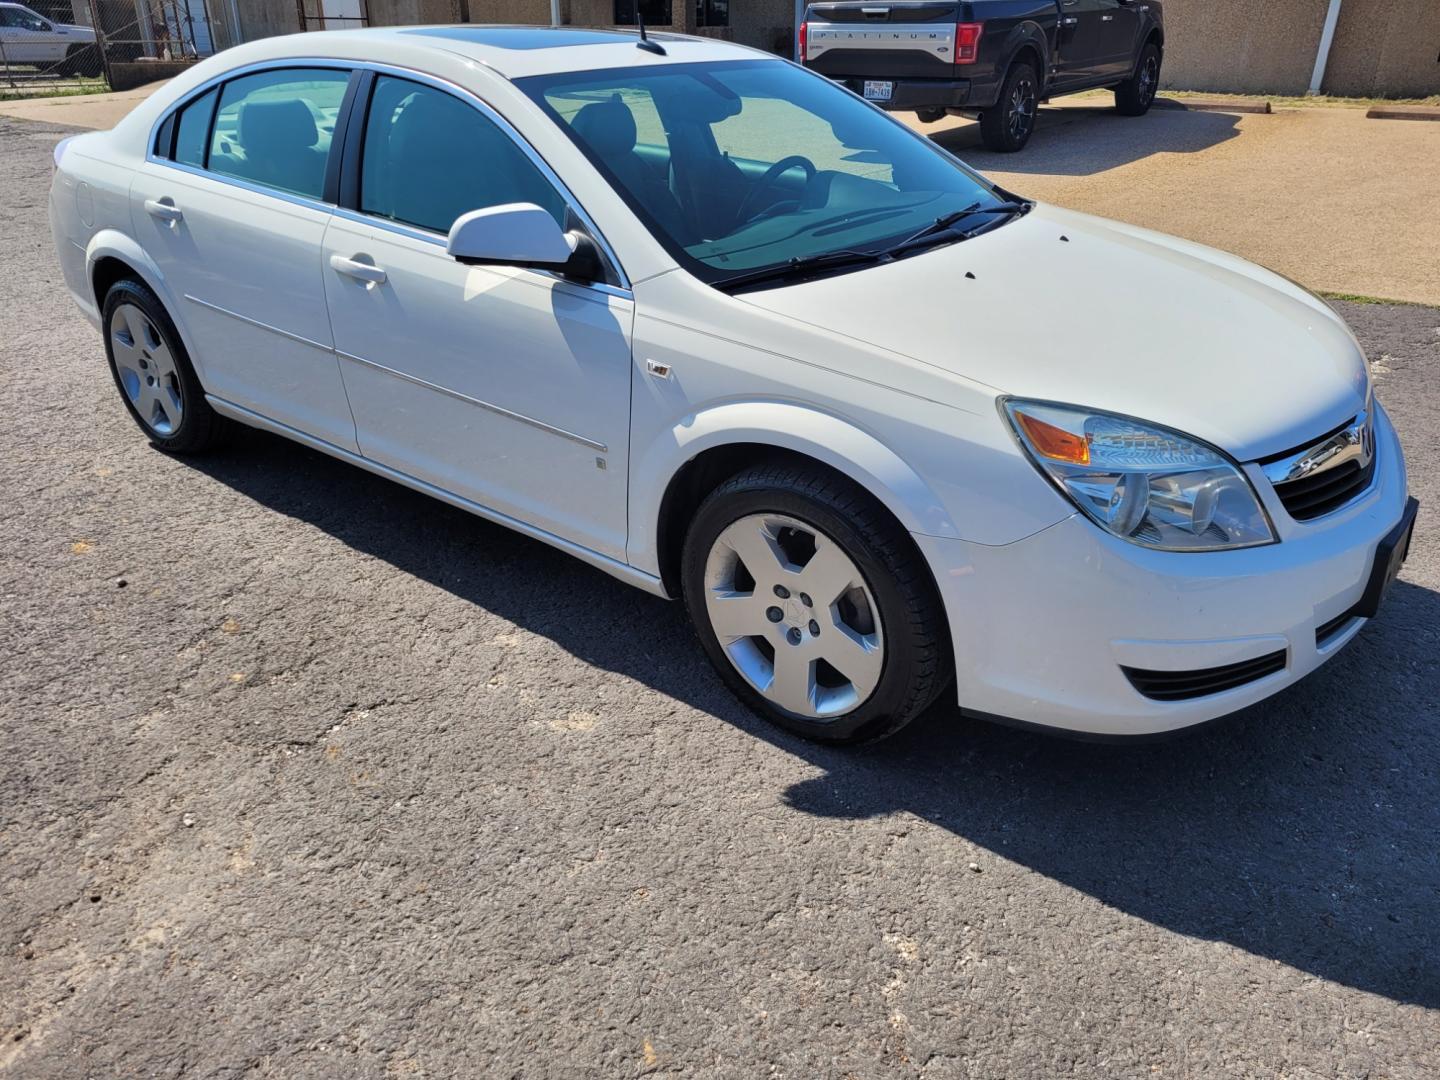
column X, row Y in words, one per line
column 794, row 615
column 146, row 370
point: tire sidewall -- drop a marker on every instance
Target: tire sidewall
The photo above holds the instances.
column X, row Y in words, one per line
column 890, row 693
column 193, row 407
column 999, row 137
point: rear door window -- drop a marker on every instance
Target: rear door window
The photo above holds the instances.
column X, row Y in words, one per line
column 274, row 128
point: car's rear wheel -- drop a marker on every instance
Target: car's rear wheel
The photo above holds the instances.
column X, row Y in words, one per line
column 154, row 374
column 1136, row 94
column 81, row 60
column 814, row 605
column 1007, row 126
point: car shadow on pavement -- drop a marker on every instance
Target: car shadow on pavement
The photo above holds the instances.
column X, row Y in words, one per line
column 1080, row 140
column 1303, row 830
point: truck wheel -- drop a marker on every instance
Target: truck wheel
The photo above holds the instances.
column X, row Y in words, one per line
column 929, row 116
column 1134, row 96
column 1006, row 126
column 81, row 60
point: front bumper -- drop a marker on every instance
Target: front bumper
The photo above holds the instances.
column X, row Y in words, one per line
column 1043, row 627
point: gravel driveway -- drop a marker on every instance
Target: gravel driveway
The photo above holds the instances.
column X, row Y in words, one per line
column 305, row 775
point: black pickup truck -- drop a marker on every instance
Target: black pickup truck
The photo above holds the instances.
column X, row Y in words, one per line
column 994, row 60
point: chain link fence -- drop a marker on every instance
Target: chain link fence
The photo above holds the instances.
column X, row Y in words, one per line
column 64, row 46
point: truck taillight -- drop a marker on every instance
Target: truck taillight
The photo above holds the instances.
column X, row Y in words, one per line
column 967, row 42
column 803, row 55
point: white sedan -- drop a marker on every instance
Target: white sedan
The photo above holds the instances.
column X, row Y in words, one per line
column 719, row 327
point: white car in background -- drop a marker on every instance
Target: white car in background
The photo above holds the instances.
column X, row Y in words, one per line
column 28, row 38
column 719, row 327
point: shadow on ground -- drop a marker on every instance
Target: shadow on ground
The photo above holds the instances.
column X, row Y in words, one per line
column 1303, row 830
column 1081, row 140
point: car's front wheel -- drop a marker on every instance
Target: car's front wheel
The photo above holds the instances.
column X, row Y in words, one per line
column 814, row 605
column 153, row 372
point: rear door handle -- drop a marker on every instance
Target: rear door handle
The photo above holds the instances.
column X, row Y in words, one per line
column 358, row 270
column 1107, row 18
column 164, row 209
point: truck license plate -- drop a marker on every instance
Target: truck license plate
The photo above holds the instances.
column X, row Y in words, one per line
column 876, row 90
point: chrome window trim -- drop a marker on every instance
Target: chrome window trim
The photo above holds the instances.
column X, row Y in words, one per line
column 486, row 405
column 469, row 96
column 255, row 189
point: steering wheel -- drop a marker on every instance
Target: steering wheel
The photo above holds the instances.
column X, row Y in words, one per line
column 767, row 181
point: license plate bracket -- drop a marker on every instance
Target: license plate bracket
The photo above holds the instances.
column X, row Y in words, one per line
column 879, row 89
column 1390, row 555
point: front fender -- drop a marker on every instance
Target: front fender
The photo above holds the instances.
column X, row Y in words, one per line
column 785, row 426
column 114, row 244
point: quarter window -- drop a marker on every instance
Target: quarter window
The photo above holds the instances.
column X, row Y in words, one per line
column 430, row 157
column 193, row 127
column 274, row 128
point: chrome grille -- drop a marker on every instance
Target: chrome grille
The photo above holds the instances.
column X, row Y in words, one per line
column 1326, row 475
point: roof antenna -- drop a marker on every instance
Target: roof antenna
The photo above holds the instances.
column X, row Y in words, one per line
column 644, row 42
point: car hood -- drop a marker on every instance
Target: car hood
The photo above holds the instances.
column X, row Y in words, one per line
column 1072, row 308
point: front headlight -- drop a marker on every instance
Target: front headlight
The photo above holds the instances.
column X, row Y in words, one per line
column 1145, row 484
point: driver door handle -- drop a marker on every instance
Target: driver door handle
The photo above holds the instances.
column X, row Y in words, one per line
column 1107, row 18
column 358, row 270
column 164, row 209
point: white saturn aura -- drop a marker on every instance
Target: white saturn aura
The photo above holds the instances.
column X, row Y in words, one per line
column 719, row 327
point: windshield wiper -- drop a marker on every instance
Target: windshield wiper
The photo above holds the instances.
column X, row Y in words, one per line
column 798, row 267
column 949, row 221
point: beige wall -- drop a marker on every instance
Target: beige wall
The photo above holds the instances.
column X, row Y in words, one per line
column 1242, row 46
column 1386, row 48
column 1382, row 48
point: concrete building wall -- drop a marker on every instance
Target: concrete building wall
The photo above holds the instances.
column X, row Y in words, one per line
column 1385, row 48
column 1382, row 48
column 1240, row 46
column 1388, row 48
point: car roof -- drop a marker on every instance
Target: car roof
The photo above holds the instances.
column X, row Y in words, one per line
column 516, row 51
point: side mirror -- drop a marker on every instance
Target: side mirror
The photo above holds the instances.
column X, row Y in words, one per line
column 522, row 234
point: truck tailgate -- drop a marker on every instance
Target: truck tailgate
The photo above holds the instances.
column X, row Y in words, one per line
column 911, row 39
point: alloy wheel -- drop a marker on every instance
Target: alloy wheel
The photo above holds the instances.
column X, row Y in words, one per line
column 1149, row 80
column 794, row 615
column 147, row 371
column 1021, row 112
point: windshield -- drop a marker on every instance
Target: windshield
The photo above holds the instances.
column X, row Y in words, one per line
column 742, row 166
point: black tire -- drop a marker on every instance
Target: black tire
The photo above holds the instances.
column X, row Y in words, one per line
column 200, row 428
column 917, row 663
column 1136, row 94
column 1008, row 125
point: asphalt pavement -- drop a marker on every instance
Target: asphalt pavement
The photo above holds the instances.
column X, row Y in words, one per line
column 305, row 775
